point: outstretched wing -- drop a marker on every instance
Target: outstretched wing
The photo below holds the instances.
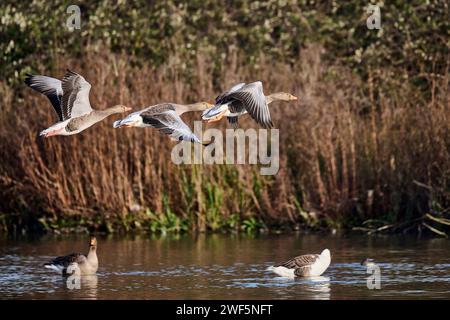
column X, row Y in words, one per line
column 223, row 103
column 49, row 87
column 170, row 123
column 254, row 101
column 75, row 99
column 300, row 261
column 226, row 93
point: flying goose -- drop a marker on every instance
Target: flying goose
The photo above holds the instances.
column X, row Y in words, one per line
column 70, row 99
column 166, row 118
column 87, row 264
column 308, row 265
column 245, row 98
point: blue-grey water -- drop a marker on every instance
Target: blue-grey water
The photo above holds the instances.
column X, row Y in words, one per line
column 228, row 267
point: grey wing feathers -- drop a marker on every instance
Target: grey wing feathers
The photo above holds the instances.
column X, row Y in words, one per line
column 253, row 99
column 236, row 107
column 233, row 89
column 300, row 261
column 171, row 124
column 75, row 99
column 49, row 87
column 237, row 87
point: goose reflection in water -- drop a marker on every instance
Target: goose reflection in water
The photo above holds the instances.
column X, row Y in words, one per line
column 89, row 285
column 315, row 288
column 318, row 287
column 87, row 288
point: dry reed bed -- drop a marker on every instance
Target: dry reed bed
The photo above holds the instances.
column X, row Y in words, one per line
column 349, row 152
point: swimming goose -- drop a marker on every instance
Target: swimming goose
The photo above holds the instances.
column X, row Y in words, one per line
column 245, row 98
column 166, row 118
column 87, row 264
column 70, row 99
column 308, row 265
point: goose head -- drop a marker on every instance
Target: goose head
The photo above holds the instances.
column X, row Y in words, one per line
column 281, row 96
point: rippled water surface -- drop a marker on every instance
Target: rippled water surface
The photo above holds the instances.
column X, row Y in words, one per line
column 228, row 267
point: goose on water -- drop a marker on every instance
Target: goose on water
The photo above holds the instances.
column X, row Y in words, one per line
column 245, row 98
column 166, row 118
column 87, row 264
column 308, row 265
column 70, row 99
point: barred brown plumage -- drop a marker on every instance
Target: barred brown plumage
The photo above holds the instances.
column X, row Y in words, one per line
column 300, row 261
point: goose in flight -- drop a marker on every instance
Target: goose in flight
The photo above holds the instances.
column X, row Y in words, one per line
column 368, row 262
column 245, row 98
column 70, row 99
column 87, row 264
column 166, row 118
column 308, row 265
